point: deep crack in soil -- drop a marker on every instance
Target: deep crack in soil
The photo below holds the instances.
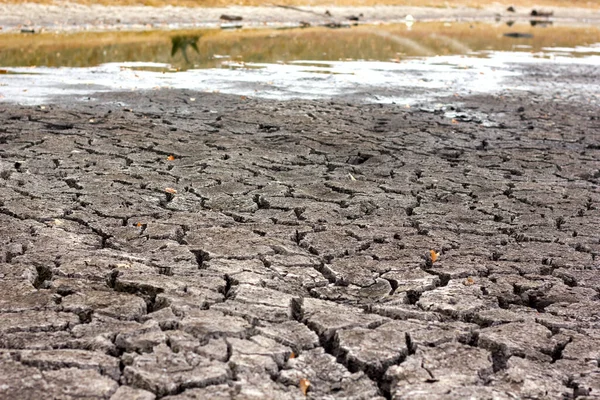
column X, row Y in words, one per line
column 232, row 247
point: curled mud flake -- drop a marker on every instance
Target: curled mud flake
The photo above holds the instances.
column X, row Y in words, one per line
column 304, row 385
column 171, row 157
column 469, row 281
column 434, row 256
column 170, row 190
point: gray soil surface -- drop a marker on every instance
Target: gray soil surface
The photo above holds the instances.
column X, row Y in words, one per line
column 291, row 240
column 76, row 17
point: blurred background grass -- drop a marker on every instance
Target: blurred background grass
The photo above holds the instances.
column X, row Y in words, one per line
column 381, row 42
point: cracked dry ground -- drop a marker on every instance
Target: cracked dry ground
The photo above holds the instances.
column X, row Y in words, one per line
column 297, row 247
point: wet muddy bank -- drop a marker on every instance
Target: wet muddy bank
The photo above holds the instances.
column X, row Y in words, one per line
column 556, row 76
column 194, row 245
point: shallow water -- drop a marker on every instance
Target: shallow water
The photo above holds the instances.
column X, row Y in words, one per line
column 405, row 63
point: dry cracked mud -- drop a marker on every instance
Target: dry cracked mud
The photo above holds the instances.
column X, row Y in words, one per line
column 285, row 241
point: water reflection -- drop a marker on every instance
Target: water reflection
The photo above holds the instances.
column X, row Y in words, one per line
column 181, row 44
column 541, row 24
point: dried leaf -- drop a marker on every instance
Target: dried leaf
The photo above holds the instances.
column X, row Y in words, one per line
column 171, row 190
column 139, row 224
column 454, row 121
column 434, row 255
column 304, row 385
column 352, row 178
column 171, row 157
column 469, row 281
column 293, row 355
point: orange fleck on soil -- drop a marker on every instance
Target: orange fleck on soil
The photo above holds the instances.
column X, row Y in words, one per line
column 304, row 385
column 434, row 255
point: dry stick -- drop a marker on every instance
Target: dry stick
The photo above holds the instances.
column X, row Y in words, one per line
column 298, row 9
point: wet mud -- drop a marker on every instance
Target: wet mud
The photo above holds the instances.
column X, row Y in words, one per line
column 185, row 245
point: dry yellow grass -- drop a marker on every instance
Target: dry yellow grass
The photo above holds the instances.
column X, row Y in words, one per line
column 423, row 3
column 387, row 42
